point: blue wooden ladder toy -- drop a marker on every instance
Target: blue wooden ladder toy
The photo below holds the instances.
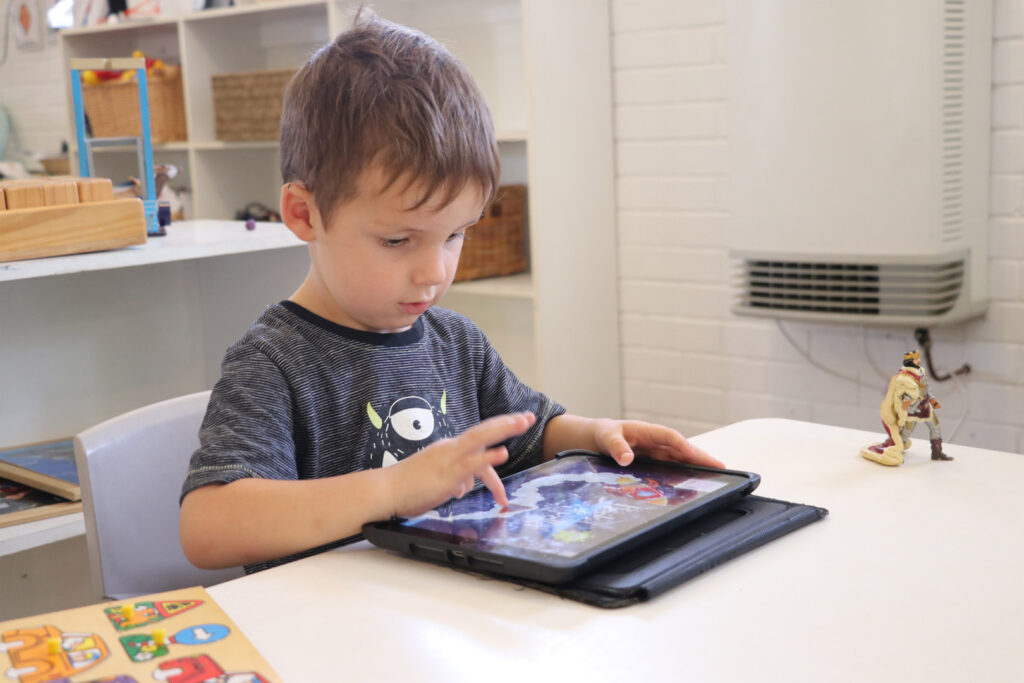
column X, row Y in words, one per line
column 143, row 146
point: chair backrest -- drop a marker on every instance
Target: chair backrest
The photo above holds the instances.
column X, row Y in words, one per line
column 131, row 468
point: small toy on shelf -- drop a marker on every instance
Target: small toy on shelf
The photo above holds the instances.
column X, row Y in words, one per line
column 906, row 403
column 258, row 212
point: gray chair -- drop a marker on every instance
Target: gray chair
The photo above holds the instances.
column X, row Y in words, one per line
column 131, row 468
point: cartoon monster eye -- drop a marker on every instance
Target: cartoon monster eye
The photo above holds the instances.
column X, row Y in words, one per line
column 413, row 424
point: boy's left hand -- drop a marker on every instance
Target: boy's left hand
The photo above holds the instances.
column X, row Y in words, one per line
column 624, row 439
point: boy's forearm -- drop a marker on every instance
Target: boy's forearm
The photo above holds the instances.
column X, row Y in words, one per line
column 227, row 525
column 253, row 520
column 566, row 432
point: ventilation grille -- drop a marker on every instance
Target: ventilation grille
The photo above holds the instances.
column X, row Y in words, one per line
column 854, row 289
column 954, row 55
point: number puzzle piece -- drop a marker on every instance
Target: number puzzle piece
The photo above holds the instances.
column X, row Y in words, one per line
column 143, row 647
column 148, row 612
column 202, row 669
column 188, row 670
column 201, row 634
column 31, row 661
column 140, row 647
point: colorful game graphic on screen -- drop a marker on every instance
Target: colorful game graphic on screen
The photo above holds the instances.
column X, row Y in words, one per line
column 577, row 505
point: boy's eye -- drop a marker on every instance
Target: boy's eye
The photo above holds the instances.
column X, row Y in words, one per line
column 396, row 242
column 457, row 236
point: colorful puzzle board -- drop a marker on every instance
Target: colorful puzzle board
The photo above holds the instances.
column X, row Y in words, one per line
column 181, row 636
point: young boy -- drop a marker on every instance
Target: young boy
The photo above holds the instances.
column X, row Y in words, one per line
column 355, row 400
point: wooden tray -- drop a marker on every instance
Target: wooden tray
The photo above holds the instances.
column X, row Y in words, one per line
column 65, row 216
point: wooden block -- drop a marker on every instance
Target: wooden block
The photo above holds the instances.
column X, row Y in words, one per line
column 24, row 196
column 71, row 229
column 95, row 190
column 56, row 193
column 3, row 201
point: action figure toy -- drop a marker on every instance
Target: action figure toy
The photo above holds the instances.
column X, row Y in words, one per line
column 906, row 403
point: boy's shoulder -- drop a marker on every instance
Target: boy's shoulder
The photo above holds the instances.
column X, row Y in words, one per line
column 277, row 334
column 275, row 325
column 446, row 324
column 445, row 317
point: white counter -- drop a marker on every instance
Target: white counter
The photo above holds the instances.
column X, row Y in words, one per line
column 184, row 240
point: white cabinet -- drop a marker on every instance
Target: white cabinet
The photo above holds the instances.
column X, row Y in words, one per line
column 544, row 68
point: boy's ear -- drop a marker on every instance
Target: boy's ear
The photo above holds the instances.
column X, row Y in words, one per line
column 298, row 211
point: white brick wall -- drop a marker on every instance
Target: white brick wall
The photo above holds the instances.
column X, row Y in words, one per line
column 687, row 360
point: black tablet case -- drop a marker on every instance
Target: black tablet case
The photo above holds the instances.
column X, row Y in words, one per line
column 684, row 553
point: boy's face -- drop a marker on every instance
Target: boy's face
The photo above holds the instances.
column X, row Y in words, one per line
column 379, row 264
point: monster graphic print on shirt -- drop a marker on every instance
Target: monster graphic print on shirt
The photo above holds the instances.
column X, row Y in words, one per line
column 411, row 423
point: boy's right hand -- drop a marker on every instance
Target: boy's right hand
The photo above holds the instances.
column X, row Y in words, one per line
column 445, row 469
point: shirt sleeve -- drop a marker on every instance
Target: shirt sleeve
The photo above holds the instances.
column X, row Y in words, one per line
column 247, row 431
column 501, row 392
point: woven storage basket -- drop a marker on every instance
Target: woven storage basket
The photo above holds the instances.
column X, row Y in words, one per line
column 113, row 107
column 248, row 105
column 496, row 245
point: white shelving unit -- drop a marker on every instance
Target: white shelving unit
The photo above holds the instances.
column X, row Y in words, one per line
column 544, row 68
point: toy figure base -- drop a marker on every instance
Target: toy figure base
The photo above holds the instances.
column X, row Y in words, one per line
column 891, row 456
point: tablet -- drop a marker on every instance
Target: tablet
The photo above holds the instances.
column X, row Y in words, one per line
column 564, row 517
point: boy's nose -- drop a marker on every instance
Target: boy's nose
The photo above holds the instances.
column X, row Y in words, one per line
column 431, row 269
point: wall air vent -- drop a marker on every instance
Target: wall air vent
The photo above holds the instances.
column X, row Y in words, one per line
column 954, row 70
column 859, row 136
column 836, row 290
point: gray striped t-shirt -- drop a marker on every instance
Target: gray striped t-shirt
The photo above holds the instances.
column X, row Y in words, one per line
column 301, row 397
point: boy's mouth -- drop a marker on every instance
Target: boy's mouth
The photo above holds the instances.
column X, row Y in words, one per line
column 414, row 308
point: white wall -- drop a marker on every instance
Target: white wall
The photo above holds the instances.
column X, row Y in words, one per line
column 687, row 360
column 31, row 89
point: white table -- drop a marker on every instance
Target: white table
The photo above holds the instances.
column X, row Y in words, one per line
column 917, row 575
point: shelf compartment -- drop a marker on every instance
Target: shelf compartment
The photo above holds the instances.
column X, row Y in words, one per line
column 276, row 37
column 225, row 180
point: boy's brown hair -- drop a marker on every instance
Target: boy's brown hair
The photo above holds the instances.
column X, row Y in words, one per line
column 386, row 94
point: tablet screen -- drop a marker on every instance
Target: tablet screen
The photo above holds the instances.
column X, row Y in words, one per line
column 570, row 506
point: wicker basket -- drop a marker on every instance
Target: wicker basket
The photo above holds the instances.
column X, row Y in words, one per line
column 248, row 105
column 496, row 245
column 113, row 107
